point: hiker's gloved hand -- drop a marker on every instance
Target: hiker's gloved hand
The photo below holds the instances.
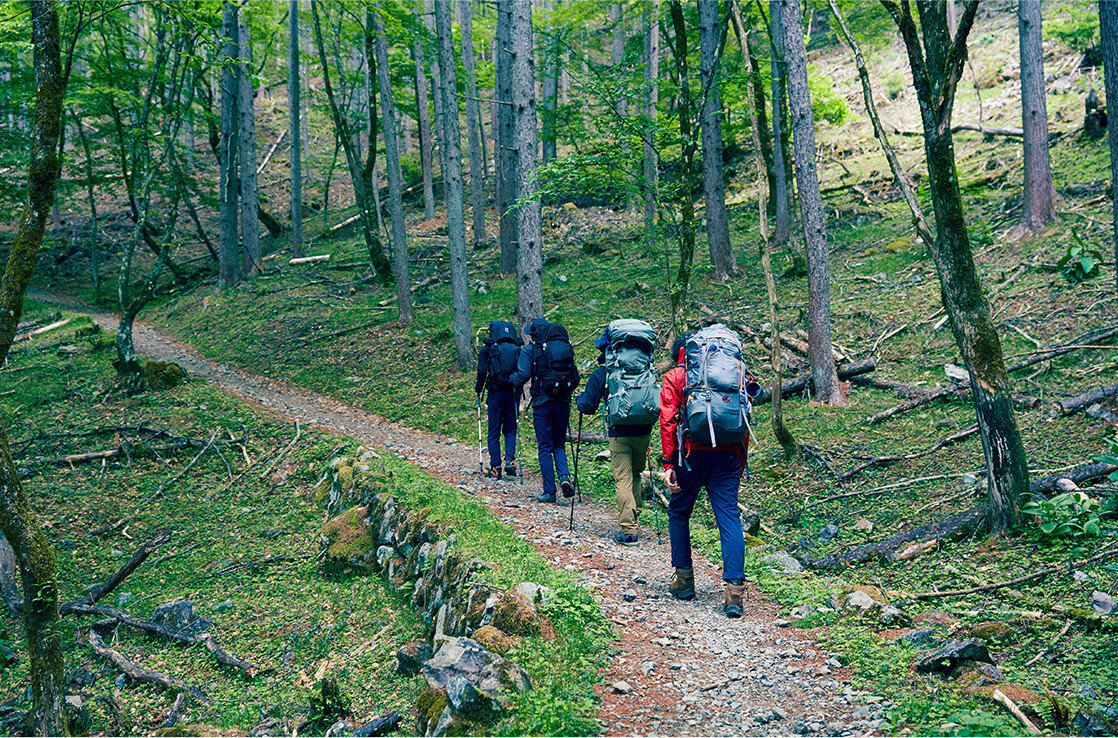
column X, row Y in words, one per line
column 670, row 480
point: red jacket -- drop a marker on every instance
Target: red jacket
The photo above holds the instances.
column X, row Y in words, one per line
column 671, row 402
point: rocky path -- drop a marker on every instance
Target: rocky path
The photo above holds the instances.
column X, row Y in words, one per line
column 683, row 668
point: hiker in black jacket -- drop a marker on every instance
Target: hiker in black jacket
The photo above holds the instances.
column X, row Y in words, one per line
column 551, row 400
column 495, row 364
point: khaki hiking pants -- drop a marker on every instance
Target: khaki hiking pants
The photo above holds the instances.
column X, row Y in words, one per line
column 627, row 461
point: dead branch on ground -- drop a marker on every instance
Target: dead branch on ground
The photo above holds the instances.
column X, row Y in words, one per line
column 886, row 460
column 139, row 673
column 1072, row 405
column 802, row 383
column 1019, row 580
column 100, row 590
column 1090, row 337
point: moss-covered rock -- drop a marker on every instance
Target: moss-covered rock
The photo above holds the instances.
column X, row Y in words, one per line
column 348, row 540
column 495, row 640
column 752, row 541
column 429, row 707
column 516, row 615
column 160, row 375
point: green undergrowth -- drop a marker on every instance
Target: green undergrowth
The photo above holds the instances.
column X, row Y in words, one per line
column 243, row 550
column 564, row 670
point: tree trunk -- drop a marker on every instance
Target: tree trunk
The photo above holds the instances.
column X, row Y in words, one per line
column 1108, row 32
column 505, row 151
column 550, row 86
column 714, row 185
column 782, row 230
column 529, row 251
column 228, row 270
column 757, row 89
column 686, row 235
column 425, row 143
column 1039, row 202
column 392, row 165
column 936, row 69
column 296, row 134
column 89, row 191
column 650, row 21
column 452, row 179
column 474, row 133
column 353, row 163
column 38, row 575
column 827, row 388
column 436, row 87
column 250, row 223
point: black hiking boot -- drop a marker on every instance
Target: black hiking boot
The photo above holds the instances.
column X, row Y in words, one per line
column 493, row 472
column 510, row 468
column 546, row 497
column 565, row 485
column 625, row 539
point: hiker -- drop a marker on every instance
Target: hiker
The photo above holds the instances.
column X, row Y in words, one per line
column 548, row 361
column 496, row 363
column 704, row 434
column 626, row 381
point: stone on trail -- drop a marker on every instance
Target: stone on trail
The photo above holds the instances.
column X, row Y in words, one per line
column 828, row 532
column 622, row 687
column 802, row 611
column 945, row 658
column 863, row 526
column 1102, row 603
column 628, row 595
column 782, row 562
column 180, row 617
column 921, row 637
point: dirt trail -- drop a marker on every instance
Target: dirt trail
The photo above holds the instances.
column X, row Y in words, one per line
column 692, row 671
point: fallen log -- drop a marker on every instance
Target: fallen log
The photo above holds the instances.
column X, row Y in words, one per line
column 955, row 527
column 911, row 404
column 1010, row 705
column 31, row 334
column 987, row 130
column 139, row 673
column 1090, row 337
column 901, row 388
column 113, row 615
column 434, row 279
column 802, row 383
column 886, row 460
column 1079, row 475
column 1019, row 580
column 1072, row 405
column 383, row 725
column 100, row 590
column 308, row 259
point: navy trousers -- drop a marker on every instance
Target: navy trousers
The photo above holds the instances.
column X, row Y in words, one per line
column 720, row 472
column 501, row 405
column 550, row 421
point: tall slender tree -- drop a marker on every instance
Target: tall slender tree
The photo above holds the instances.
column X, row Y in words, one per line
column 426, row 143
column 452, row 185
column 711, row 37
column 295, row 110
column 823, row 374
column 392, row 166
column 552, row 54
column 936, row 58
column 504, row 145
column 475, row 134
column 18, row 522
column 529, row 249
column 1108, row 32
column 229, row 271
column 782, row 192
column 1039, row 197
column 688, row 146
column 651, row 21
column 246, row 93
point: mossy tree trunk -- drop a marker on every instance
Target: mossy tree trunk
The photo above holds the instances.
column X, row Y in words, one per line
column 34, row 555
column 529, row 247
column 1108, row 31
column 937, row 65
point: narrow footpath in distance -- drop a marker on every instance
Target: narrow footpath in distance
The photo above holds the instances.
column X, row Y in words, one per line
column 683, row 668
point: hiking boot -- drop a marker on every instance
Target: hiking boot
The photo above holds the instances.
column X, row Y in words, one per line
column 510, row 468
column 682, row 586
column 546, row 497
column 565, row 485
column 735, row 593
column 493, row 472
column 625, row 539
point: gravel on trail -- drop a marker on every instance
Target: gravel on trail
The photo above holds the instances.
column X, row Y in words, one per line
column 682, row 668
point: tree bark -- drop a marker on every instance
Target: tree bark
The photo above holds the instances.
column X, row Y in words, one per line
column 474, row 133
column 782, row 165
column 714, row 185
column 757, row 89
column 505, row 146
column 392, row 165
column 250, row 223
column 452, row 179
column 38, row 574
column 1108, row 32
column 688, row 145
column 552, row 56
column 424, row 123
column 827, row 388
column 228, row 270
column 1039, row 202
column 937, row 66
column 295, row 106
column 529, row 250
column 651, row 17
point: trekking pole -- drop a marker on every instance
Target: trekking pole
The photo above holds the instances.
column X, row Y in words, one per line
column 578, row 444
column 519, row 448
column 480, row 464
column 655, row 507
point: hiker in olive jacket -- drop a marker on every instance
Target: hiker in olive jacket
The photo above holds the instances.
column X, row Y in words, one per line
column 628, row 449
column 551, row 410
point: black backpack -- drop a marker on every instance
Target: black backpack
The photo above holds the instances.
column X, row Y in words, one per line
column 504, row 350
column 553, row 364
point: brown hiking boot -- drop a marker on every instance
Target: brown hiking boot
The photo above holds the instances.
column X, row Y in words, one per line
column 682, row 586
column 735, row 593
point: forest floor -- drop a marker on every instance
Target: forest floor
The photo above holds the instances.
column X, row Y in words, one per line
column 691, row 670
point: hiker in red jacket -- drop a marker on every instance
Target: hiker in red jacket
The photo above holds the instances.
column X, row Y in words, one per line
column 688, row 467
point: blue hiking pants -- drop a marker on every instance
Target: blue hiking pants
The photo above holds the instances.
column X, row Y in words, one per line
column 550, row 420
column 720, row 472
column 501, row 405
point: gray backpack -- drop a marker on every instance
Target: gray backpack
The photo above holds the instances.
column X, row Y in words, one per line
column 632, row 397
column 715, row 397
